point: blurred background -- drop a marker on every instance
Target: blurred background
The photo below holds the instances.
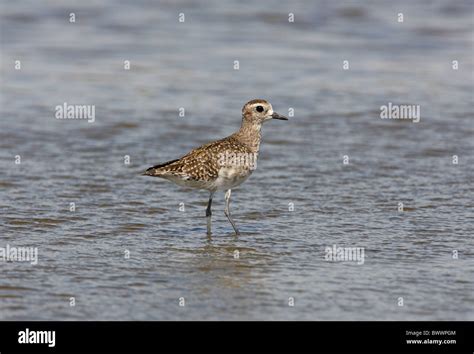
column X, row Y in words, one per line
column 295, row 65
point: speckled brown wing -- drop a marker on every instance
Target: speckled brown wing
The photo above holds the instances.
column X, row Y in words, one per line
column 200, row 164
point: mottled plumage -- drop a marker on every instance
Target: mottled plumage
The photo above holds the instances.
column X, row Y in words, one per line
column 222, row 164
column 202, row 163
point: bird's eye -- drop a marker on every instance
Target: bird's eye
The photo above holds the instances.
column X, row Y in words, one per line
column 259, row 109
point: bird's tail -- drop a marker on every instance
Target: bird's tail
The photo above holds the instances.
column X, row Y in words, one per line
column 157, row 170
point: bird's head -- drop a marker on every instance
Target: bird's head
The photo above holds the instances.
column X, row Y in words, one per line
column 259, row 111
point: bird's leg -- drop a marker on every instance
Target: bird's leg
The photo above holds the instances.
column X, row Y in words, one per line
column 227, row 211
column 209, row 214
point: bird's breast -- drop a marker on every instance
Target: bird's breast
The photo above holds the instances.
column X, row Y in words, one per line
column 230, row 177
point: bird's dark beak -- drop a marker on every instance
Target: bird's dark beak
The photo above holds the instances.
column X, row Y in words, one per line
column 275, row 115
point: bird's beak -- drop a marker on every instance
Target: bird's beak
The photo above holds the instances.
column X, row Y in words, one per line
column 275, row 115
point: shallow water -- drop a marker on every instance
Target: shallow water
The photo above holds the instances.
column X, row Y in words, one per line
column 296, row 65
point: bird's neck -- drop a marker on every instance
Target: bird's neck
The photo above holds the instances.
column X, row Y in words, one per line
column 249, row 135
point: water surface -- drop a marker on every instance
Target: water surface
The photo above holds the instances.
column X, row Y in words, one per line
column 296, row 65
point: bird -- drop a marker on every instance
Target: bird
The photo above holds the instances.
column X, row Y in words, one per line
column 223, row 164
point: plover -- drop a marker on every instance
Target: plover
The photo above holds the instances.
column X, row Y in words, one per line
column 223, row 164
